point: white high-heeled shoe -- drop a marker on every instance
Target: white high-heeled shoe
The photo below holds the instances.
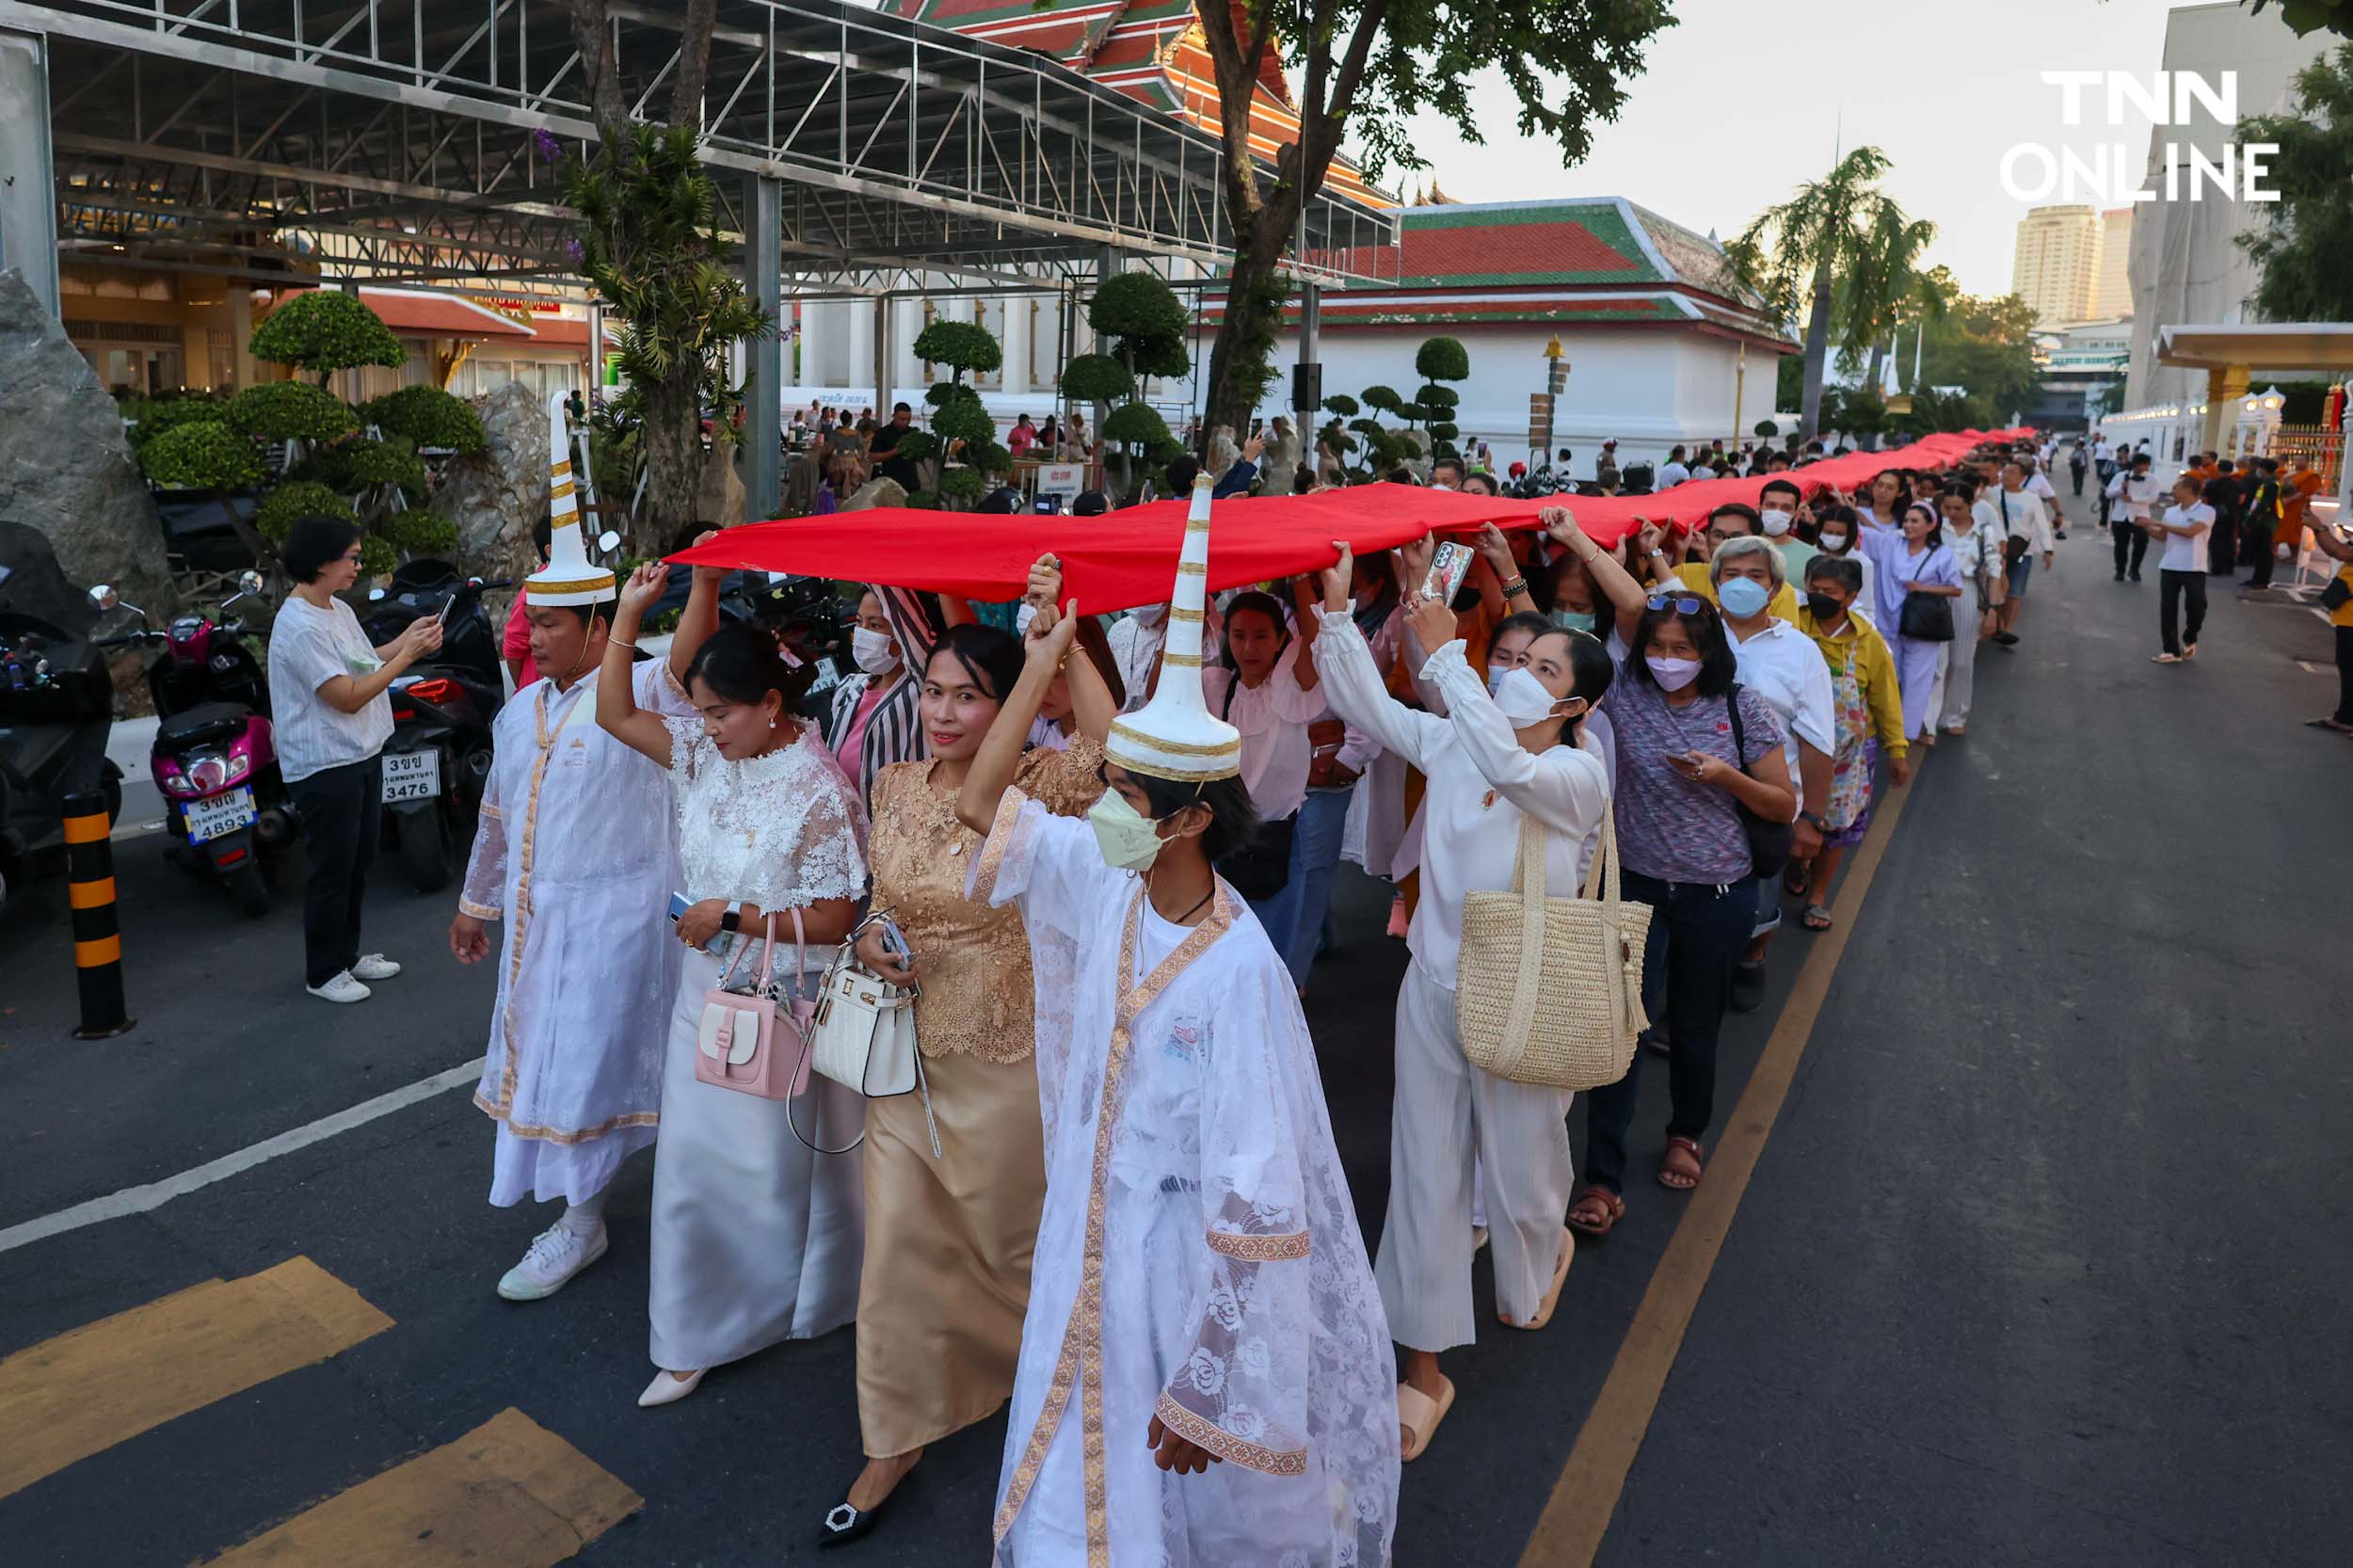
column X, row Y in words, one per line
column 667, row 1389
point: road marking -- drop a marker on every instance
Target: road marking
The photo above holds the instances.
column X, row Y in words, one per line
column 154, row 1195
column 1583, row 1501
column 92, row 1387
column 509, row 1494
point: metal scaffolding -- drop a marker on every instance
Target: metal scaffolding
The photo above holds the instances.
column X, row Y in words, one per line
column 394, row 141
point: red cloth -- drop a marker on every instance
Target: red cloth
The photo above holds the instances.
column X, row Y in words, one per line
column 1126, row 558
column 516, row 644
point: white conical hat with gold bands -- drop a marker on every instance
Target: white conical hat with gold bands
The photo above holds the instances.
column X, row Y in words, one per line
column 1173, row 736
column 568, row 578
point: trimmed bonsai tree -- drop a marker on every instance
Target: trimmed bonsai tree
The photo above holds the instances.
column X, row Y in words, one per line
column 324, row 330
column 429, row 417
column 1436, row 362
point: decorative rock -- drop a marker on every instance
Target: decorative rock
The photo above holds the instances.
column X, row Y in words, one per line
column 719, row 496
column 66, row 468
column 875, row 492
column 497, row 496
column 1279, row 465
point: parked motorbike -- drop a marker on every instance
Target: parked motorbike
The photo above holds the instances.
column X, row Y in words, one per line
column 56, row 705
column 437, row 763
column 231, row 819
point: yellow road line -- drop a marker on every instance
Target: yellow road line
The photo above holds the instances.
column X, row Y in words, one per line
column 1577, row 1515
column 509, row 1494
column 86, row 1390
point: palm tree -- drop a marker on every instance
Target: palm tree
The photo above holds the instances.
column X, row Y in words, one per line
column 1882, row 282
column 1830, row 229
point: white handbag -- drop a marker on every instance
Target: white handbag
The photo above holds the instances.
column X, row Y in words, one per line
column 863, row 1037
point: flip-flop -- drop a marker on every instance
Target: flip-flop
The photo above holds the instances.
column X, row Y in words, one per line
column 1419, row 1414
column 2166, row 658
column 1815, row 917
column 2328, row 723
column 1552, row 1296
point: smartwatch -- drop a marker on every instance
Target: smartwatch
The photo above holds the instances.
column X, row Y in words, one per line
column 734, row 919
column 1819, row 823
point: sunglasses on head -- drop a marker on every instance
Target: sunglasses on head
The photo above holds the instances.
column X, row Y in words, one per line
column 1685, row 604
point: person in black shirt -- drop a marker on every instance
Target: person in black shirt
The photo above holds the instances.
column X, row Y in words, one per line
column 884, row 449
column 2260, row 522
column 2227, row 496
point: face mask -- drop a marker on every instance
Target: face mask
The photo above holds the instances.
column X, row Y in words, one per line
column 1574, row 621
column 1151, row 615
column 1833, row 543
column 1822, row 607
column 1523, row 699
column 1673, row 675
column 1495, row 678
column 1777, row 524
column 873, row 652
column 1742, row 596
column 1129, row 839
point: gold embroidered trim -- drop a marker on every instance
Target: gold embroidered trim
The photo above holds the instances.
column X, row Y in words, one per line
column 561, row 492
column 570, row 586
column 1175, row 748
column 1203, row 1433
column 479, row 911
column 1174, row 776
column 1260, row 1249
column 1182, row 661
column 560, row 1135
column 1192, row 568
column 1080, row 1359
column 493, row 812
column 1184, row 614
column 999, row 840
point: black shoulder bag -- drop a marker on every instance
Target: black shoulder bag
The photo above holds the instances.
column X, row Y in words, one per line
column 1262, row 867
column 1770, row 842
column 1924, row 617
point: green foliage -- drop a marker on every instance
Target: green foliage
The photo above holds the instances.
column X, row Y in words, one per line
column 290, row 410
column 1136, row 424
column 376, row 555
column 205, row 455
column 159, row 415
column 1142, row 324
column 1766, row 427
column 429, row 417
column 1436, row 398
column 1412, row 413
column 1097, row 378
column 322, row 330
column 1986, row 348
column 965, row 420
column 963, row 484
column 359, row 463
column 1343, row 404
column 961, row 346
column 2306, row 17
column 295, row 499
column 1445, row 432
column 2302, row 247
column 1383, row 398
column 918, row 446
column 1442, row 360
column 421, row 533
column 1340, row 440
column 924, row 500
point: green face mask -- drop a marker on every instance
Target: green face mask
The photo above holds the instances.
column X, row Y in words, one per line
column 1129, row 839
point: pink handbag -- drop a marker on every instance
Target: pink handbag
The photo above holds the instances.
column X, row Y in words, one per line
column 741, row 1045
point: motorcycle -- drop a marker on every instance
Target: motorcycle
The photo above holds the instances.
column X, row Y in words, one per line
column 225, row 806
column 437, row 763
column 57, row 705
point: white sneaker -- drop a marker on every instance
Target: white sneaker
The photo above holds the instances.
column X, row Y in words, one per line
column 341, row 988
column 374, row 965
column 556, row 1255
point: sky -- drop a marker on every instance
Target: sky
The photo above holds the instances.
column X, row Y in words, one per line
column 1943, row 89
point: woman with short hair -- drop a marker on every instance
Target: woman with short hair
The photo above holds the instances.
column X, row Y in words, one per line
column 329, row 719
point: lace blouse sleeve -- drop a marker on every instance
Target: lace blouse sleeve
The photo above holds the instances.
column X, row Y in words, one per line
column 691, row 750
column 826, row 863
column 1065, row 782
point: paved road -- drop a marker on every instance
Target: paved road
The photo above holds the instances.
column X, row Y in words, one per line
column 2036, row 1266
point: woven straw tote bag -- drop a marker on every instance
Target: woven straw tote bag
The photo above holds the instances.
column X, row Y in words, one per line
column 1549, row 990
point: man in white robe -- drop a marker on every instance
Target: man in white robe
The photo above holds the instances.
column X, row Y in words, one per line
column 1203, row 1377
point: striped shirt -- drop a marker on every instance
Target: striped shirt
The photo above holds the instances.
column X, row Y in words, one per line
column 894, row 731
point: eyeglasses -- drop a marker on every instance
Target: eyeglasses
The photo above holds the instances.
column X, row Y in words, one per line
column 1685, row 604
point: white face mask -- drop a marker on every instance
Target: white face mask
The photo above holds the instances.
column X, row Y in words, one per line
column 1495, row 677
column 873, row 652
column 1523, row 699
column 1776, row 523
column 1833, row 543
column 1151, row 615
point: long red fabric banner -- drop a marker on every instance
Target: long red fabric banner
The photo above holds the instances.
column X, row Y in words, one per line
column 1126, row 558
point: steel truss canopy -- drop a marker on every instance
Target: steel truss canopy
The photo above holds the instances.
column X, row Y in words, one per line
column 395, row 140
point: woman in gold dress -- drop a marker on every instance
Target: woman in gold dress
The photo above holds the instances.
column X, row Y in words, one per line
column 949, row 1234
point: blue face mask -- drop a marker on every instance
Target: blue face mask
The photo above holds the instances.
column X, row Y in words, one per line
column 1742, row 596
column 1574, row 621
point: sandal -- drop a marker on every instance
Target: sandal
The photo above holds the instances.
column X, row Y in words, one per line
column 1418, row 1414
column 2166, row 658
column 1678, row 1182
column 1796, row 879
column 1816, row 918
column 2328, row 723
column 1552, row 1295
column 1597, row 1211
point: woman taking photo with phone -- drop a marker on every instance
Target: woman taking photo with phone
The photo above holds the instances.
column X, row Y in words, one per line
column 950, row 1230
column 756, row 1237
column 1697, row 755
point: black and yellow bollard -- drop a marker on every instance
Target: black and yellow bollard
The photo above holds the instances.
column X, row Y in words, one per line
column 90, row 865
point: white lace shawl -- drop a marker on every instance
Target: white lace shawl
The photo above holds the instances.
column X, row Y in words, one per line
column 781, row 831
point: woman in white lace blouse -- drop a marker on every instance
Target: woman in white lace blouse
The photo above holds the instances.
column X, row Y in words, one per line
column 756, row 1237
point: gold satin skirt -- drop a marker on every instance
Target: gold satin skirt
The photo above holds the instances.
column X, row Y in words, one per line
column 948, row 1247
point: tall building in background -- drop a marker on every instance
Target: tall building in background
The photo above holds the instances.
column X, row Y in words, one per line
column 2112, row 299
column 2055, row 266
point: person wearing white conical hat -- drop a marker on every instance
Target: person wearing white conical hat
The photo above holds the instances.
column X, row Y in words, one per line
column 564, row 857
column 1240, row 1409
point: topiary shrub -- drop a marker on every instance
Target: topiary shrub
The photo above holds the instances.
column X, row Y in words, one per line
column 1097, row 378
column 1135, row 425
column 160, row 415
column 961, row 346
column 290, row 502
column 1144, row 322
column 290, row 410
column 1442, row 360
column 1383, row 399
column 204, row 455
column 917, row 446
column 1343, row 404
column 963, row 484
column 429, row 417
column 965, row 420
column 421, row 533
column 359, row 463
column 924, row 500
column 1436, row 396
column 324, row 330
column 376, row 555
column 1766, row 427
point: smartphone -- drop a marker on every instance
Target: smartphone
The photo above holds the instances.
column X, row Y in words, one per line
column 678, row 906
column 442, row 616
column 1448, row 565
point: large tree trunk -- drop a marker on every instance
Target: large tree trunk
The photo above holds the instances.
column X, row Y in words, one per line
column 1255, row 294
column 1817, row 354
column 674, row 461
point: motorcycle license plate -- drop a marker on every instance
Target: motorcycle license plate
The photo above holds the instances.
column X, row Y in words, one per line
column 413, row 774
column 224, row 813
